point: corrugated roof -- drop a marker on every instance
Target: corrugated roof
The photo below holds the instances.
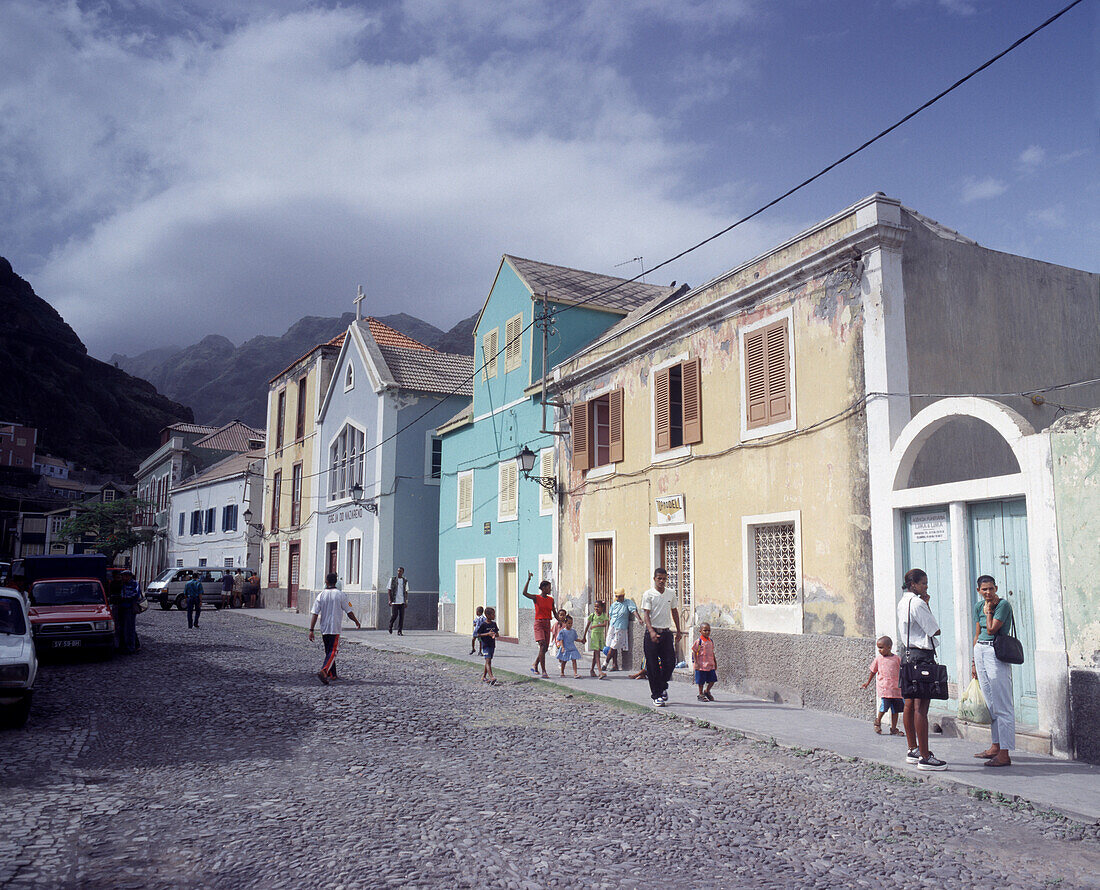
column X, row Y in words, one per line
column 573, row 285
column 234, row 465
column 384, row 335
column 425, row 370
column 234, row 436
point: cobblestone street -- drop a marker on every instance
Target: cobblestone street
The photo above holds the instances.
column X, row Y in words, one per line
column 214, row 758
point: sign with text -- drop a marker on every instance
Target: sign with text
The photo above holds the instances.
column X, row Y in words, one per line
column 927, row 528
column 670, row 510
column 342, row 515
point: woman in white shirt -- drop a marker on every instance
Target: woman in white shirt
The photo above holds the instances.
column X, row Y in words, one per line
column 917, row 629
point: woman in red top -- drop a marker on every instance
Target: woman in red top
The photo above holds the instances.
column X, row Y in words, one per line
column 544, row 611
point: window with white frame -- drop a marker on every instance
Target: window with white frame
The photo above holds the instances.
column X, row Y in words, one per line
column 227, row 562
column 507, row 491
column 349, row 378
column 465, row 514
column 773, row 572
column 179, row 563
column 767, row 377
column 346, row 456
column 354, row 551
column 436, row 468
column 108, row 494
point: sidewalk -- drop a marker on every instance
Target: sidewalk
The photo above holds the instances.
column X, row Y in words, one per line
column 1066, row 786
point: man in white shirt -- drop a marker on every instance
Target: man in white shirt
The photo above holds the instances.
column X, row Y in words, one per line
column 399, row 598
column 329, row 607
column 917, row 629
column 660, row 645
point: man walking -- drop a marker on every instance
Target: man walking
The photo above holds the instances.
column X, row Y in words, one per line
column 660, row 644
column 128, row 597
column 544, row 610
column 193, row 592
column 329, row 607
column 227, row 589
column 399, row 598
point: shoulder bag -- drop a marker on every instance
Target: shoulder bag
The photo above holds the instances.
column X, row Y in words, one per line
column 1005, row 645
column 922, row 679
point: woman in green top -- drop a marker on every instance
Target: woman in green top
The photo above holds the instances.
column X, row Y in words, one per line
column 991, row 615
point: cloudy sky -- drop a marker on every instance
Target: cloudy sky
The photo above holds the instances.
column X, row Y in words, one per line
column 172, row 168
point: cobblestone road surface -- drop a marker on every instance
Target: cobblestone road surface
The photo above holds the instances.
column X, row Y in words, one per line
column 214, row 758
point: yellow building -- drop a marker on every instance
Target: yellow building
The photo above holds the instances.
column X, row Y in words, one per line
column 288, row 523
column 787, row 439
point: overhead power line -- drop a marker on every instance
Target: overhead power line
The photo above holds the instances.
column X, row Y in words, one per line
column 744, row 219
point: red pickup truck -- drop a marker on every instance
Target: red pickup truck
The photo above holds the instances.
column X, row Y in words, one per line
column 67, row 596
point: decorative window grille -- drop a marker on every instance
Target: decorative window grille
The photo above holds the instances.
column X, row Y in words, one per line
column 677, row 563
column 227, row 562
column 273, row 565
column 776, row 564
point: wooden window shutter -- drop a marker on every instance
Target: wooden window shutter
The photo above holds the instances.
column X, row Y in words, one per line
column 693, row 402
column 779, row 375
column 662, row 420
column 615, row 425
column 581, row 458
column 513, row 343
column 546, row 468
column 465, row 498
column 489, row 347
column 756, row 379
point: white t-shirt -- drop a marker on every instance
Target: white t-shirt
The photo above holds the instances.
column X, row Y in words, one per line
column 660, row 607
column 921, row 628
column 330, row 606
column 400, row 589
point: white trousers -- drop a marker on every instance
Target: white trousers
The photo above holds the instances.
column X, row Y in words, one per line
column 995, row 679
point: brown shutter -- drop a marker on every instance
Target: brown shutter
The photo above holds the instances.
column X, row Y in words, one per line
column 662, row 431
column 756, row 380
column 779, row 391
column 615, row 425
column 693, row 402
column 580, row 436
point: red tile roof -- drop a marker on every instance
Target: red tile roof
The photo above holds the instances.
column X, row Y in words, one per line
column 384, row 335
column 234, row 436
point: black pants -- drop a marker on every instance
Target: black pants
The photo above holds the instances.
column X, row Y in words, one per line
column 397, row 613
column 330, row 640
column 126, row 613
column 194, row 608
column 660, row 661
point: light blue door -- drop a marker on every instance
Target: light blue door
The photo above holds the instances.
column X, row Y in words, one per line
column 928, row 547
column 998, row 547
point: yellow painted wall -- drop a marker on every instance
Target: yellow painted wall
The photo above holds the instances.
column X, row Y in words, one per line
column 821, row 472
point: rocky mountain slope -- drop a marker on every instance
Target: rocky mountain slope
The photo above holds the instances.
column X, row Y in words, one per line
column 223, row 382
column 84, row 409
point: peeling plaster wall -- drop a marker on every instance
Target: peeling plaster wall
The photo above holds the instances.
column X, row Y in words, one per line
column 822, row 473
column 1075, row 448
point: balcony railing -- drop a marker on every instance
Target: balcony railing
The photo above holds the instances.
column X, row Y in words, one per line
column 145, row 519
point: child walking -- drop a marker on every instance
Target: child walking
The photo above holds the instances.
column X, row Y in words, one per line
column 488, row 636
column 595, row 632
column 567, row 637
column 888, row 668
column 475, row 640
column 556, row 628
column 706, row 668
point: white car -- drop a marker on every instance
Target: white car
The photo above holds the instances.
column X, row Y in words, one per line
column 18, row 663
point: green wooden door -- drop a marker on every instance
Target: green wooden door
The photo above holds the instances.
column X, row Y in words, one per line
column 998, row 547
column 928, row 547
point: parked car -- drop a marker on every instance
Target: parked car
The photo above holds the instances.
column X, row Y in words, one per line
column 167, row 588
column 18, row 662
column 67, row 599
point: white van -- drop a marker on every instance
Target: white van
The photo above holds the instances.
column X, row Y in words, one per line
column 167, row 588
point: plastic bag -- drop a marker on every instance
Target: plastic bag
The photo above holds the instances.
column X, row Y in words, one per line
column 972, row 706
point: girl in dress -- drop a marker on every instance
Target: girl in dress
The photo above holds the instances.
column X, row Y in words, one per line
column 595, row 632
column 567, row 638
column 555, row 629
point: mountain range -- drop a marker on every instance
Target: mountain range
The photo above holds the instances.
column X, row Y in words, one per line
column 221, row 382
column 85, row 410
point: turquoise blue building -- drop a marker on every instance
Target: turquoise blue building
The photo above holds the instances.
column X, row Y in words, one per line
column 494, row 525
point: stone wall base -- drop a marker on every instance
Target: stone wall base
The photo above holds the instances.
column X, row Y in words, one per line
column 819, row 672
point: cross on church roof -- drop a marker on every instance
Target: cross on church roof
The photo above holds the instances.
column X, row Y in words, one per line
column 358, row 304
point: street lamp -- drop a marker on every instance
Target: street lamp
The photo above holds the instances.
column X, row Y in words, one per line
column 370, row 506
column 257, row 527
column 527, row 463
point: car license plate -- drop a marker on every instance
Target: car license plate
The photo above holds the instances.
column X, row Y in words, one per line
column 64, row 644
